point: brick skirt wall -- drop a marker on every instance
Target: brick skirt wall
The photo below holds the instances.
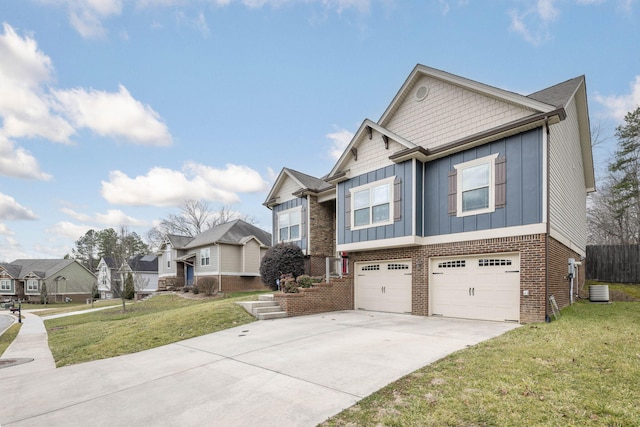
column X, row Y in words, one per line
column 241, row 284
column 532, row 268
column 339, row 295
column 559, row 284
column 322, row 297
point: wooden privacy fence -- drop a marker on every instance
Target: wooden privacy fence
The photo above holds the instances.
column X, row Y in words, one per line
column 613, row 263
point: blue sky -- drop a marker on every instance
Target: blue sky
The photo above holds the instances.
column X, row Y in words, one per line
column 113, row 112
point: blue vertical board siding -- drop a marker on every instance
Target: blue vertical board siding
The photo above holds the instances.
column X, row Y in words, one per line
column 418, row 220
column 532, row 185
column 289, row 204
column 400, row 228
column 523, row 153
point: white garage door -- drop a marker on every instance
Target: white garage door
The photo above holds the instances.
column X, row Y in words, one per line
column 476, row 287
column 384, row 286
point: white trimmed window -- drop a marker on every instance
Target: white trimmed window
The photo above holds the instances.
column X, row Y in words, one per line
column 32, row 285
column 5, row 285
column 372, row 204
column 104, row 275
column 168, row 256
column 205, row 256
column 289, row 223
column 476, row 186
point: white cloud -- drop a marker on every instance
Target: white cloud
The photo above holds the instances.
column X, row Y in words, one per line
column 619, row 105
column 339, row 141
column 117, row 115
column 30, row 109
column 115, row 218
column 167, row 187
column 12, row 210
column 532, row 24
column 112, row 218
column 86, row 16
column 24, row 104
column 18, row 162
column 5, row 231
column 234, row 178
column 68, row 230
column 198, row 23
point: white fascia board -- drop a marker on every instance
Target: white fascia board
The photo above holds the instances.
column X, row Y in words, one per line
column 373, row 245
column 362, row 133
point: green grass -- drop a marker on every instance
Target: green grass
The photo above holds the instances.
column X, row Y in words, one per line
column 158, row 321
column 581, row 370
column 7, row 338
column 49, row 309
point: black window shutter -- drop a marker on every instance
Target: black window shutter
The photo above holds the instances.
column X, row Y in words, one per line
column 501, row 182
column 347, row 210
column 453, row 193
column 397, row 199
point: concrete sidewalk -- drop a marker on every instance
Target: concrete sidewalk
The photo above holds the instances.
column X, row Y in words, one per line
column 31, row 343
column 286, row 372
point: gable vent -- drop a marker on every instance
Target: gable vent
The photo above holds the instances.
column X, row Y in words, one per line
column 422, row 93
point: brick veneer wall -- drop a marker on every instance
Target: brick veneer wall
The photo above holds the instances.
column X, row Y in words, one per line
column 532, row 268
column 323, row 297
column 322, row 234
column 240, row 284
column 559, row 284
column 339, row 295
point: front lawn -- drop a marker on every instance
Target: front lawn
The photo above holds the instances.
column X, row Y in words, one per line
column 158, row 321
column 583, row 369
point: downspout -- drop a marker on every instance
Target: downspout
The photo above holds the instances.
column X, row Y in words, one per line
column 547, row 318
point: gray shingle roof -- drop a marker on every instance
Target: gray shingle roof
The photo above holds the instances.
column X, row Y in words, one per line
column 310, row 182
column 558, row 95
column 233, row 232
column 13, row 270
column 43, row 268
column 178, row 241
column 144, row 263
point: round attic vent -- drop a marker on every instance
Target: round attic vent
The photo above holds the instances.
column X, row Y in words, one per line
column 422, row 93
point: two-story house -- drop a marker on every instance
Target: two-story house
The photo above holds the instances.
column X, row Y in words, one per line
column 59, row 279
column 144, row 269
column 228, row 253
column 462, row 200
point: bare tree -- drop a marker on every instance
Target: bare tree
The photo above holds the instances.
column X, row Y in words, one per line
column 614, row 213
column 194, row 218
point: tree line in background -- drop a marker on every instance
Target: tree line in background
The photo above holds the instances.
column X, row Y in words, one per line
column 193, row 218
column 613, row 212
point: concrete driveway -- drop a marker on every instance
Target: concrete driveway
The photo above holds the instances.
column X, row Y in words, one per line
column 286, row 372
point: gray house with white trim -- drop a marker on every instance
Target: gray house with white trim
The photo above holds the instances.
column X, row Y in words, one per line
column 229, row 253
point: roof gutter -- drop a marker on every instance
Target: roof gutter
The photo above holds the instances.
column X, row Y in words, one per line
column 508, row 129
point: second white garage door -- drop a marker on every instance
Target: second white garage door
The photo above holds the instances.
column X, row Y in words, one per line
column 383, row 286
column 483, row 287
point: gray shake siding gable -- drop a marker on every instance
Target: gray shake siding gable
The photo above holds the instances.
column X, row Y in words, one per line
column 523, row 153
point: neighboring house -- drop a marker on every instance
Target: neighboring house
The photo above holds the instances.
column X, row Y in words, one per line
column 108, row 278
column 463, row 200
column 64, row 278
column 229, row 253
column 144, row 269
column 145, row 273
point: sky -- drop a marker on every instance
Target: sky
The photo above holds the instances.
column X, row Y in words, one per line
column 114, row 112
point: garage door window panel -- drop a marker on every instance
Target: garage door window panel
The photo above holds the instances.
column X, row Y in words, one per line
column 371, row 204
